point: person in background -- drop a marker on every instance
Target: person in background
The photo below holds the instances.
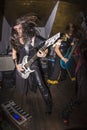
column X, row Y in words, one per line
column 81, row 71
column 67, row 40
column 26, row 42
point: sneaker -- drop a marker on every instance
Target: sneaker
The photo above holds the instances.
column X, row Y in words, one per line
column 73, row 79
column 52, row 81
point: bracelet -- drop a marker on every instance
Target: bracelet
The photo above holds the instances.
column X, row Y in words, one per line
column 15, row 61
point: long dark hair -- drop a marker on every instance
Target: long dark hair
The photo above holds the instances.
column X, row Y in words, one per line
column 14, row 40
column 29, row 31
column 71, row 28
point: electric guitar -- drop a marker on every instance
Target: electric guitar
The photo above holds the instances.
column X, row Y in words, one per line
column 68, row 56
column 27, row 64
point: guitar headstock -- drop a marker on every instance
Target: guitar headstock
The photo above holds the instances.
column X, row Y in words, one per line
column 52, row 40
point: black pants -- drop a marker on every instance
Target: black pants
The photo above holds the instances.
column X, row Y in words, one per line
column 58, row 73
column 44, row 90
column 34, row 81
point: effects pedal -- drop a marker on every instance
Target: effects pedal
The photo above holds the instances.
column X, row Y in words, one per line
column 15, row 112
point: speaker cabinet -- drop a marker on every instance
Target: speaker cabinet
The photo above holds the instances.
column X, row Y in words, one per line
column 6, row 63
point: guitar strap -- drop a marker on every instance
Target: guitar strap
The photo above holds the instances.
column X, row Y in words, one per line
column 38, row 43
column 27, row 46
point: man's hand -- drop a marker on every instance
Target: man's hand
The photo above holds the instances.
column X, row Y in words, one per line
column 19, row 67
column 65, row 60
column 42, row 53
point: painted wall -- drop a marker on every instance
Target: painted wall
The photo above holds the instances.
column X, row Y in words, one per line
column 5, row 36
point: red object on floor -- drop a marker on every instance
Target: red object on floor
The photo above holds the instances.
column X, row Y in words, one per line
column 66, row 122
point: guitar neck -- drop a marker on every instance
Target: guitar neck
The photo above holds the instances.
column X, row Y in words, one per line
column 43, row 48
column 31, row 61
column 48, row 43
column 72, row 50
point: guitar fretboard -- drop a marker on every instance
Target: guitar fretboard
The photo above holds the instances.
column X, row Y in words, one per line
column 30, row 62
column 48, row 43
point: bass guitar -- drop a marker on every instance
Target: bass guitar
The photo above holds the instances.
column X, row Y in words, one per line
column 26, row 64
column 68, row 55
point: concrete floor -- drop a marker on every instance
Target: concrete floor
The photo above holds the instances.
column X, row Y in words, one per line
column 33, row 104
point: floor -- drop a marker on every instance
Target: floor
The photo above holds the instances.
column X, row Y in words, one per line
column 33, row 104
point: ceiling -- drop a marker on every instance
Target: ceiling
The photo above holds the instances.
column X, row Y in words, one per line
column 67, row 10
column 42, row 8
column 17, row 8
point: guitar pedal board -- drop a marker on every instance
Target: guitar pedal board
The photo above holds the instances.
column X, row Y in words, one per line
column 15, row 113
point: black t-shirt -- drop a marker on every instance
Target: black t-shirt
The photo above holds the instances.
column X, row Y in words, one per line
column 65, row 44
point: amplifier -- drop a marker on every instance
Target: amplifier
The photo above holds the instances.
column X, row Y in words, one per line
column 15, row 113
column 6, row 63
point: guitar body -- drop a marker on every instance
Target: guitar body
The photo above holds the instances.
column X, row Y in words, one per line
column 66, row 65
column 24, row 74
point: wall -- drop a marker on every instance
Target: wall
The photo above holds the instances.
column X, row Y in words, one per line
column 5, row 36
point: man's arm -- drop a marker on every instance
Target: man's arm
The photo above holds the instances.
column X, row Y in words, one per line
column 58, row 52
